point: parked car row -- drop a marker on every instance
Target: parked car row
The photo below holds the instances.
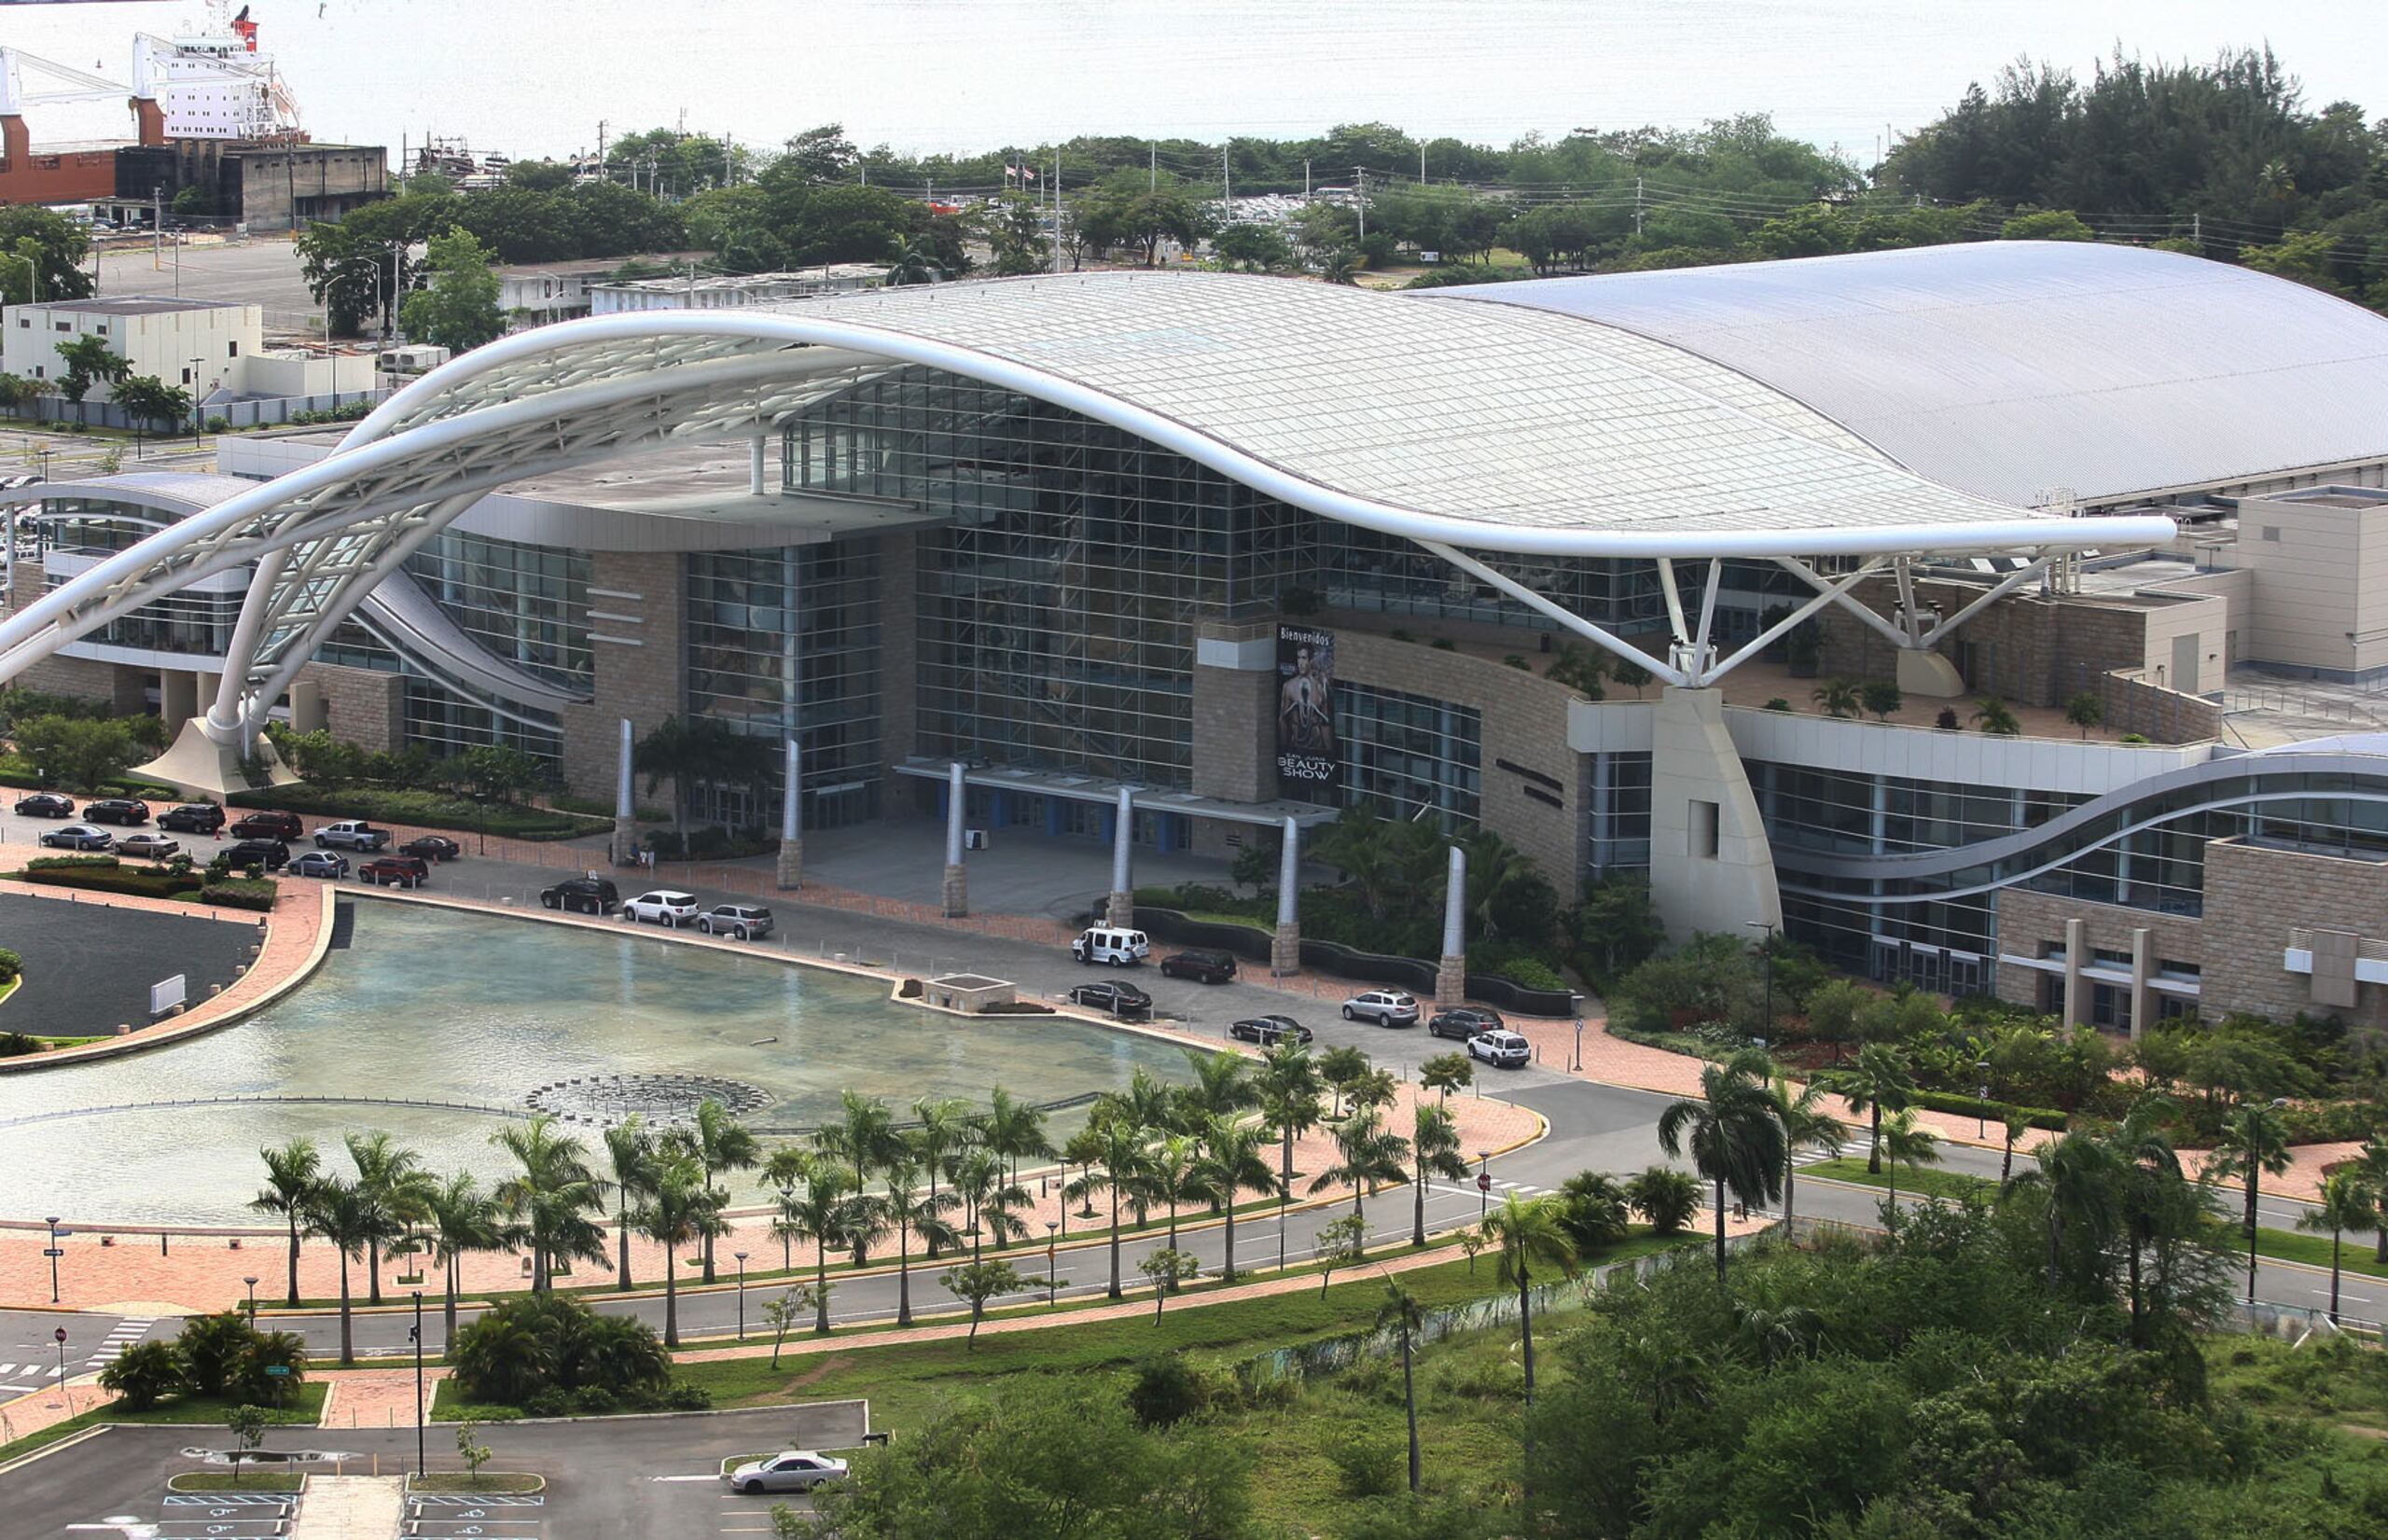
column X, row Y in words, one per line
column 666, row 907
column 263, row 839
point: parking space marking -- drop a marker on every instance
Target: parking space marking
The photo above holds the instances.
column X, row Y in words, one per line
column 460, row 1516
column 224, row 1515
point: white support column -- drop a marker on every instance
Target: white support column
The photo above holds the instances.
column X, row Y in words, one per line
column 223, row 721
column 1674, row 601
column 1782, row 628
column 1664, row 671
column 957, row 876
column 1908, row 620
column 1819, row 582
column 2076, row 993
column 1121, row 910
column 1712, row 868
column 1285, row 948
column 625, row 807
column 755, row 467
column 1703, row 651
column 1451, row 972
column 791, row 864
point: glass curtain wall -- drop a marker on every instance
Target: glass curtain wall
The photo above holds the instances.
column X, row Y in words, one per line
column 1421, row 756
column 526, row 604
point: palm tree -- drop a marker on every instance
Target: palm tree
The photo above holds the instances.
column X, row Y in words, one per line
column 1435, row 1150
column 1996, row 717
column 1016, row 1130
column 631, row 1157
column 721, row 1143
column 2346, row 1204
column 1172, row 1175
column 824, row 1214
column 1839, row 697
column 463, row 1219
column 2078, row 1172
column 1444, row 1074
column 1530, row 1239
column 682, row 1205
column 1804, row 1122
column 1732, row 1135
column 1222, row 1086
column 988, row 1198
column 2018, row 1123
column 944, row 1130
column 389, row 1181
column 1340, row 1068
column 787, row 1167
column 1877, row 1083
column 1232, row 1164
column 864, row 1138
column 552, row 1196
column 2372, row 1161
column 685, row 750
column 1910, row 1143
column 2151, row 1169
column 1365, row 1153
column 1400, row 1311
column 341, row 1212
column 292, row 1173
column 907, row 1209
column 1113, row 1164
column 2254, row 1141
column 1289, row 1086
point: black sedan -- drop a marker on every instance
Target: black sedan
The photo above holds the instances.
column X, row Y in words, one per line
column 1270, row 1031
column 117, row 809
column 1464, row 1021
column 432, row 847
column 46, row 804
column 1117, row 998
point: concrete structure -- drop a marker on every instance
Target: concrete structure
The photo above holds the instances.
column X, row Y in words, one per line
column 266, row 186
column 731, row 291
column 539, row 292
column 211, row 348
column 997, row 553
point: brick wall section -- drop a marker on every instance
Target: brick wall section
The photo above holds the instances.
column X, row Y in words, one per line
column 641, row 676
column 2260, row 893
column 1235, row 728
column 2027, row 920
column 365, row 706
column 1525, row 722
column 2134, row 704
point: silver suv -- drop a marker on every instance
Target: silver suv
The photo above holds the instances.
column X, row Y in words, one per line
column 1385, row 1007
column 745, row 921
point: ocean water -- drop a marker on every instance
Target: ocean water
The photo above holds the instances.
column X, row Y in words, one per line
column 535, row 79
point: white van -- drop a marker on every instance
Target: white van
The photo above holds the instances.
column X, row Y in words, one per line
column 1121, row 949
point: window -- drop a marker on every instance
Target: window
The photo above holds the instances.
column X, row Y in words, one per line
column 2272, row 533
column 1705, row 842
column 231, row 350
column 186, row 377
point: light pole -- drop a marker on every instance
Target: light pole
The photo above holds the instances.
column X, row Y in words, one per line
column 417, row 1333
column 742, row 1295
column 1065, row 1195
column 1483, row 1185
column 196, row 365
column 1768, row 952
column 1052, row 1279
column 1981, row 1112
column 251, row 1282
column 1284, row 1195
column 54, row 1255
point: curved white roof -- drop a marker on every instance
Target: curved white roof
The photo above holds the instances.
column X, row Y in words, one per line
column 2021, row 369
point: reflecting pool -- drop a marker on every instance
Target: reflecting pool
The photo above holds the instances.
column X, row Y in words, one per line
column 429, row 1005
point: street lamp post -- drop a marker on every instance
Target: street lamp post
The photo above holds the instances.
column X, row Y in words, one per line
column 742, row 1295
column 1052, row 1279
column 417, row 1333
column 251, row 1282
column 1981, row 1112
column 1065, row 1195
column 196, row 366
column 52, row 1223
column 1284, row 1195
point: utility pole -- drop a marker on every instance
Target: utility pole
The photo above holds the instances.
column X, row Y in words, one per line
column 1305, row 178
column 1637, row 205
column 1152, row 168
column 1360, row 180
column 1421, row 165
column 1057, row 209
column 1226, row 184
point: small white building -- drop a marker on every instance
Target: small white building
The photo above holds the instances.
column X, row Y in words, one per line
column 213, row 348
column 733, row 291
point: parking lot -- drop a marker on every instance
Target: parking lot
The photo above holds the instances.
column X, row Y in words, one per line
column 89, row 965
column 223, row 1515
column 439, row 1516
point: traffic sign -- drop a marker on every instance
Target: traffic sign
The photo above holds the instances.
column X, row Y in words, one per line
column 59, row 1334
column 62, row 1232
column 1483, row 1180
column 277, row 1370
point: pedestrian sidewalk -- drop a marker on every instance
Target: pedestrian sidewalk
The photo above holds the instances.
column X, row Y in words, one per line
column 350, row 1508
column 377, row 1399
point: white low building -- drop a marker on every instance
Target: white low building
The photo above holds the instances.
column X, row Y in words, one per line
column 733, row 291
column 213, row 348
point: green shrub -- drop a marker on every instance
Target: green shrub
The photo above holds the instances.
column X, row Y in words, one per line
column 1974, row 1106
column 1667, row 1198
column 143, row 1375
column 684, row 1397
column 428, row 809
column 240, row 893
column 1444, row 644
column 1166, row 1390
column 15, row 1045
column 539, row 1352
column 105, row 874
column 1369, row 1464
column 10, row 964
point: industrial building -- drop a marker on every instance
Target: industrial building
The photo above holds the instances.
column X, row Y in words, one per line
column 1254, row 548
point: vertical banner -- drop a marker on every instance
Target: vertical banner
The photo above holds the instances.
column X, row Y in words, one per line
column 1310, row 756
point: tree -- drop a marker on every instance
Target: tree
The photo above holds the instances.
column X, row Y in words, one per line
column 1230, row 1164
column 1732, row 1136
column 391, row 1182
column 1910, row 1143
column 1882, row 698
column 976, row 1283
column 145, row 395
column 1400, row 1311
column 795, row 1302
column 1805, row 1123
column 680, row 1206
column 1166, row 1270
column 1839, row 697
column 1015, row 1130
column 1252, row 248
column 2085, row 711
column 2347, row 1203
column 2372, row 1161
column 2046, row 225
column 1594, row 1207
column 90, row 361
column 2253, row 1142
column 1668, row 1199
column 1997, row 718
column 907, row 1209
column 1342, row 1067
column 341, row 1213
column 1014, row 228
column 247, row 1424
column 690, row 750
column 864, row 1138
column 1434, row 1147
column 720, row 1143
column 1290, row 1084
column 292, row 1173
column 819, row 1209
column 470, row 1449
column 1529, row 1239
column 1632, row 675
column 1446, row 1073
column 459, row 309
column 1116, row 1165
column 631, row 1157
column 143, row 1375
column 1617, row 923
column 1877, row 1083
column 1340, row 1243
column 942, row 1129
column 551, row 1196
column 57, row 245
column 462, row 1219
column 1364, row 1154
column 81, row 752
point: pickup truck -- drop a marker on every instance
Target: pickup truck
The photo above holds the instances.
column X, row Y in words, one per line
column 351, row 834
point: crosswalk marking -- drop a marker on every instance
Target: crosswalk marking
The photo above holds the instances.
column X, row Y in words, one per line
column 126, row 1333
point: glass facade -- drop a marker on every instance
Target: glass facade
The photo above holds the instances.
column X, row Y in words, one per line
column 447, row 724
column 1421, row 756
column 788, row 640
column 528, row 604
column 1621, row 812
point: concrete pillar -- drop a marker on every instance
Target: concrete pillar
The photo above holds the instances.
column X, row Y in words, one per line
column 309, row 711
column 1285, row 948
column 2143, row 965
column 625, row 806
column 1711, row 866
column 791, row 864
column 177, row 698
column 755, row 467
column 1121, row 910
column 2076, row 1001
column 957, row 876
column 1451, row 973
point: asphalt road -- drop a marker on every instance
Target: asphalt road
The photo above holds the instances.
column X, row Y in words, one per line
column 609, row 1479
column 89, row 965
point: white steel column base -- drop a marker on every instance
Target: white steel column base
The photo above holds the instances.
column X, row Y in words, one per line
column 198, row 764
column 1929, row 675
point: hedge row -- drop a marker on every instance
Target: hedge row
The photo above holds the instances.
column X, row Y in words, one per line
column 429, row 808
column 240, row 893
column 1995, row 1112
column 106, row 874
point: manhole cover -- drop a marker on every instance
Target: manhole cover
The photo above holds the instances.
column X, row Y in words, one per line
column 661, row 1099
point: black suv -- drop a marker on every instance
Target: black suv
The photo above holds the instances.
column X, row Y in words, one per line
column 583, row 895
column 1118, row 999
column 117, row 809
column 269, row 825
column 44, row 804
column 1464, row 1021
column 1270, row 1031
column 273, row 855
column 192, row 818
column 1206, row 967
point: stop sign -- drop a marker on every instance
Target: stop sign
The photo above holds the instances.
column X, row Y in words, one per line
column 59, row 1334
column 1484, row 1181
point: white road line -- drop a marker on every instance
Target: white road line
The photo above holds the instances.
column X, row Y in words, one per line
column 708, row 1476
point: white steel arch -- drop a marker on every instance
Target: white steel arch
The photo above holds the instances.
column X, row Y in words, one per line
column 585, row 391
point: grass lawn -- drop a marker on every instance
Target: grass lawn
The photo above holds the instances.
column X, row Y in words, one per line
column 2354, row 1252
column 224, row 1480
column 903, row 1381
column 301, row 1408
column 488, row 1480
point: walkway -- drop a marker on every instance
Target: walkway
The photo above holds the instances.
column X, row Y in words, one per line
column 350, row 1508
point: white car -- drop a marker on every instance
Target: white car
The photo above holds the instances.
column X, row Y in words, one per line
column 662, row 907
column 792, row 1470
column 1506, row 1049
column 1385, row 1007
